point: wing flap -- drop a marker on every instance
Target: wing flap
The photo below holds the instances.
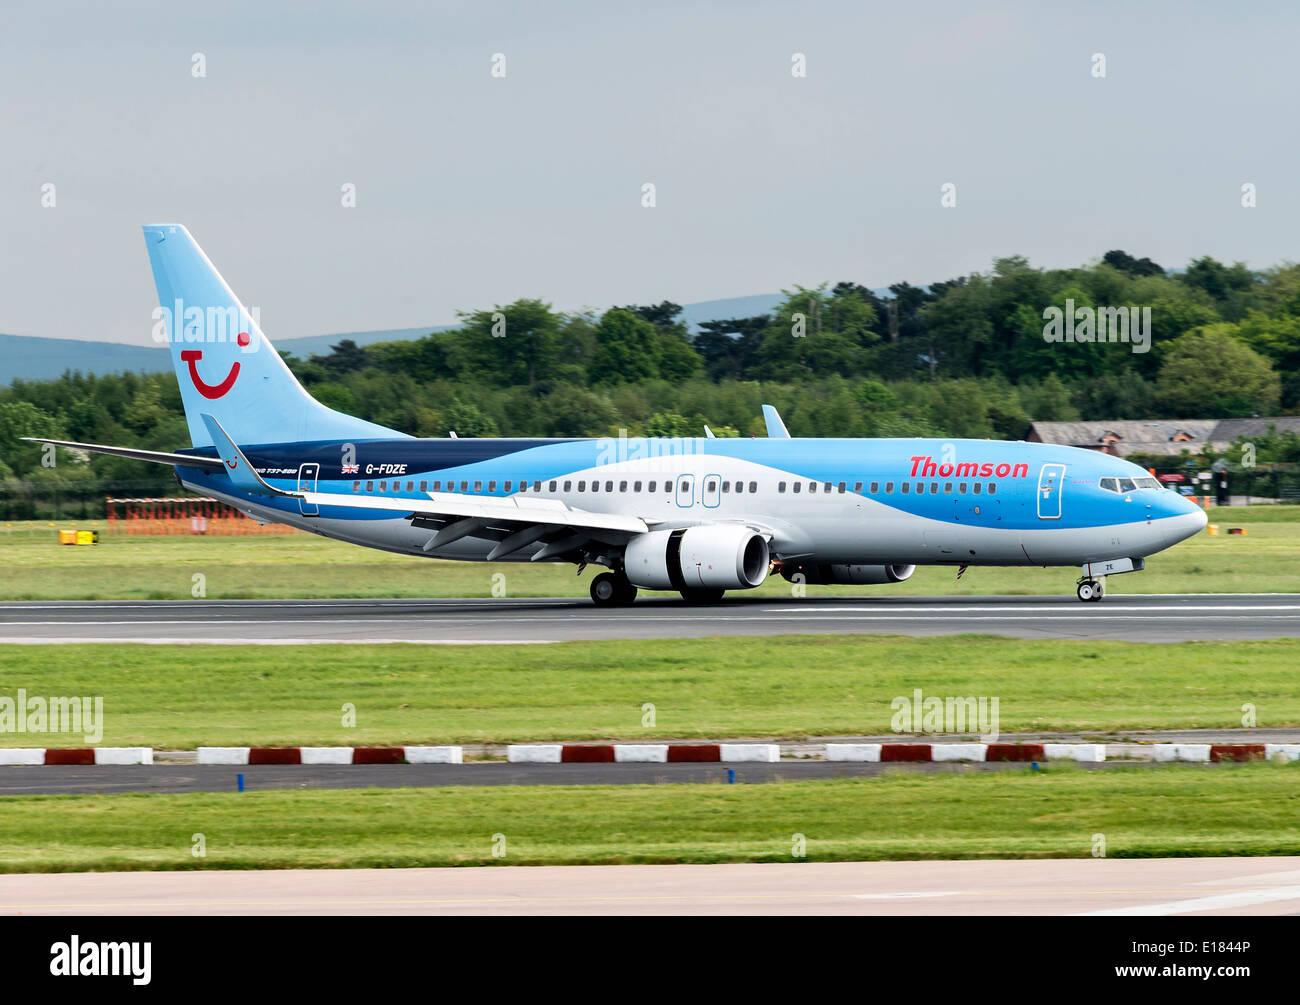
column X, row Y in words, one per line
column 511, row 509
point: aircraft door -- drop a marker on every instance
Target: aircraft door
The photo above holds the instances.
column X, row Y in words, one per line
column 1049, row 491
column 307, row 476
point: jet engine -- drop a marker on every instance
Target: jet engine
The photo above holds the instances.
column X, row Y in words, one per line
column 710, row 557
column 862, row 575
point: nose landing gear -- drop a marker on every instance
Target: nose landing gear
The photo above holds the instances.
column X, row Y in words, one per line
column 1091, row 589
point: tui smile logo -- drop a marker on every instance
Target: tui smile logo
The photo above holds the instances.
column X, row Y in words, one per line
column 213, row 391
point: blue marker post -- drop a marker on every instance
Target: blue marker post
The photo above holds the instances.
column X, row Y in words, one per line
column 240, row 781
column 731, row 776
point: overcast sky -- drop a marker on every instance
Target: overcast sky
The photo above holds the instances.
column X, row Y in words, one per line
column 473, row 190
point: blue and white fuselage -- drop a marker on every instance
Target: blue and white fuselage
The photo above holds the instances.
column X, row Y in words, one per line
column 824, row 501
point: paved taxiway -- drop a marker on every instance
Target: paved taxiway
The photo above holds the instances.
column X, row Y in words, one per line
column 1151, row 887
column 1149, row 618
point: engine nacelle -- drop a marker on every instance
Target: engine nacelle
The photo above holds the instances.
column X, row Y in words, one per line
column 714, row 556
column 860, row 575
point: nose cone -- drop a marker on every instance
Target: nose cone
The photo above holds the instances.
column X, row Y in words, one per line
column 1187, row 519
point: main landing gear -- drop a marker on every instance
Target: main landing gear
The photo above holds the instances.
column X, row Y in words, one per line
column 1091, row 589
column 612, row 589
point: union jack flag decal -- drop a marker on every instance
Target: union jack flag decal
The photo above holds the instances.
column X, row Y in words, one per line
column 351, row 469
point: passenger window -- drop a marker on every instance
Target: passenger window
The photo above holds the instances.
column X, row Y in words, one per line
column 383, row 486
column 595, row 486
column 370, row 486
column 993, row 487
column 437, row 486
column 509, row 485
column 492, row 486
column 977, row 486
column 961, row 488
column 582, row 486
column 857, row 487
column 636, row 486
column 609, row 486
column 740, row 486
column 537, row 486
column 812, row 486
column 356, row 486
column 568, row 486
column 478, row 486
column 726, row 487
column 711, row 486
column 889, row 488
column 410, row 486
column 753, row 486
column 668, row 486
column 424, row 486
column 875, row 487
column 920, row 488
column 464, row 486
column 827, row 486
column 798, row 487
column 652, row 486
column 947, row 488
column 907, row 487
column 622, row 486
column 780, row 486
column 842, row 486
column 397, row 487
column 934, row 488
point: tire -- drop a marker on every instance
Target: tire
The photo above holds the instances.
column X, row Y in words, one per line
column 1086, row 590
column 604, row 590
column 700, row 596
column 611, row 589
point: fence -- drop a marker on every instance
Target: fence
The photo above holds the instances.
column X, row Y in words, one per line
column 185, row 515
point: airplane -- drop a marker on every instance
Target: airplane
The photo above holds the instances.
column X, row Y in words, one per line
column 699, row 516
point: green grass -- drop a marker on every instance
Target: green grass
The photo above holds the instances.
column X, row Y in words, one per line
column 793, row 686
column 1266, row 560
column 1248, row 809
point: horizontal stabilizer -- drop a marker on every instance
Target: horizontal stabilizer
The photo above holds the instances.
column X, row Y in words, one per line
column 154, row 456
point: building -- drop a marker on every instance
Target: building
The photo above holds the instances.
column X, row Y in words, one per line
column 1157, row 437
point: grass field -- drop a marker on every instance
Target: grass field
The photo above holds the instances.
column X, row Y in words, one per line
column 1265, row 560
column 185, row 696
column 1247, row 809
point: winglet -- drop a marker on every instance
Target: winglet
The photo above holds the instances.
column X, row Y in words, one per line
column 243, row 474
column 775, row 427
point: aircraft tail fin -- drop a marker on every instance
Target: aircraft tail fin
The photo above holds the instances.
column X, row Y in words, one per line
column 225, row 365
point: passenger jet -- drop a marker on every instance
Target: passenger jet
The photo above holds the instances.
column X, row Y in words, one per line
column 698, row 516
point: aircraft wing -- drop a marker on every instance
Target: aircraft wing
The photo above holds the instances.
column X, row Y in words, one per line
column 513, row 521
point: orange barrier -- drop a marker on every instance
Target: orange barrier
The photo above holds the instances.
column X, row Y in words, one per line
column 187, row 515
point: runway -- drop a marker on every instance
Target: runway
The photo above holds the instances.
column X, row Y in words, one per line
column 1146, row 887
column 1145, row 618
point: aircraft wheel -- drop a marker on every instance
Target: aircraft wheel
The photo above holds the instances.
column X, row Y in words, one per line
column 1089, row 590
column 611, row 589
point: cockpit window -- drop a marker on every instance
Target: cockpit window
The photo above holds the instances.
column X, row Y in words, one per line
column 1124, row 485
